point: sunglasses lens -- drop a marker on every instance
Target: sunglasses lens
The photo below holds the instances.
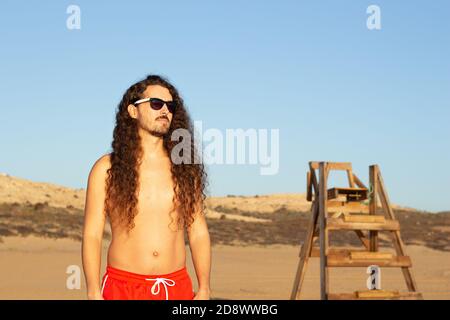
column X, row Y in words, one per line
column 156, row 104
column 171, row 106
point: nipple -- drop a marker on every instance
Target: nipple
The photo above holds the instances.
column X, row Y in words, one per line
column 155, row 253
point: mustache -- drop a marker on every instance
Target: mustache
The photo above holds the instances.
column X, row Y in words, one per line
column 162, row 117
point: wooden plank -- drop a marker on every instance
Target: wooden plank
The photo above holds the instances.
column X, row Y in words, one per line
column 348, row 252
column 339, row 224
column 361, row 218
column 358, row 182
column 308, row 186
column 369, row 255
column 384, row 294
column 347, row 207
column 398, row 243
column 376, row 294
column 345, row 190
column 305, row 252
column 324, row 285
column 332, row 165
column 353, row 296
column 362, row 237
column 373, row 235
column 342, row 296
column 314, row 165
column 351, row 181
column 410, row 296
column 314, row 183
column 347, row 261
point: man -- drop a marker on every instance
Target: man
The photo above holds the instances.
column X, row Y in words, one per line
column 150, row 200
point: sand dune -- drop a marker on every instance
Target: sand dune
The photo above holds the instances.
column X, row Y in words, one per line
column 19, row 190
column 13, row 189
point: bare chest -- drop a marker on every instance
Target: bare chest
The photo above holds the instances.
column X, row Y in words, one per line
column 156, row 194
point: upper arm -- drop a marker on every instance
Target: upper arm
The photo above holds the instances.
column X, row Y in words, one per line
column 199, row 225
column 94, row 219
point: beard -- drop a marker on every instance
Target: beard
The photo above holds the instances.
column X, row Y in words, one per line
column 158, row 130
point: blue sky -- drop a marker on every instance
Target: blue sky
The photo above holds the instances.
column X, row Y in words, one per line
column 335, row 90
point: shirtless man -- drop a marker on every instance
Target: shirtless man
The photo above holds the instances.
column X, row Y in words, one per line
column 150, row 201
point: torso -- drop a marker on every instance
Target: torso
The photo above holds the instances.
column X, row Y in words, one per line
column 156, row 243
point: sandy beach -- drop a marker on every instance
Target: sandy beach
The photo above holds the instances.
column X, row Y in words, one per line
column 35, row 268
column 254, row 254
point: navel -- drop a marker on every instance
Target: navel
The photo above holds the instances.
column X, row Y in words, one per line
column 155, row 253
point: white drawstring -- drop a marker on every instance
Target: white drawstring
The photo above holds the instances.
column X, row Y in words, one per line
column 103, row 286
column 165, row 282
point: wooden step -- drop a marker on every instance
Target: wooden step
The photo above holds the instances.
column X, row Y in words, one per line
column 347, row 207
column 340, row 224
column 351, row 194
column 364, row 218
column 376, row 295
column 365, row 259
column 370, row 255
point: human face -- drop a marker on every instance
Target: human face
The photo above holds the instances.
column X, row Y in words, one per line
column 156, row 122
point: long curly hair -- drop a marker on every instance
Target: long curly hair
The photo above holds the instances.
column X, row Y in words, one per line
column 122, row 184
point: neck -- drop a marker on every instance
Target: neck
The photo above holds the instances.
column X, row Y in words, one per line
column 152, row 147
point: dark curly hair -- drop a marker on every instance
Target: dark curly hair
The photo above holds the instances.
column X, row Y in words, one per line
column 123, row 177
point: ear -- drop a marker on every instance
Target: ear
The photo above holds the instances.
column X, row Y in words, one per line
column 132, row 110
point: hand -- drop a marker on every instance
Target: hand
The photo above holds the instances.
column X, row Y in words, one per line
column 202, row 294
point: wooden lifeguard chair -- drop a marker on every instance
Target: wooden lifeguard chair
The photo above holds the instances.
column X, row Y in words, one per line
column 347, row 209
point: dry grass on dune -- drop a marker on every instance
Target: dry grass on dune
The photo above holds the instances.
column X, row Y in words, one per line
column 41, row 220
column 48, row 210
column 279, row 227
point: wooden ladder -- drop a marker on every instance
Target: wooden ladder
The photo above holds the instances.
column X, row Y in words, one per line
column 345, row 209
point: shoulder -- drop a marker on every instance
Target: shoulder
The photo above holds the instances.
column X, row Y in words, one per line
column 101, row 166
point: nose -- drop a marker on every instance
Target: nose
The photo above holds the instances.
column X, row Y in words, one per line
column 165, row 109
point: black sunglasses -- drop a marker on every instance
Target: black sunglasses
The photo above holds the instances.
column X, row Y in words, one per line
column 157, row 104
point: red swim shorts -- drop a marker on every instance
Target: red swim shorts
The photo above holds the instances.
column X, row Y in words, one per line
column 123, row 285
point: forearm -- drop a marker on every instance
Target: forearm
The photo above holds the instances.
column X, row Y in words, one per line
column 201, row 256
column 91, row 265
